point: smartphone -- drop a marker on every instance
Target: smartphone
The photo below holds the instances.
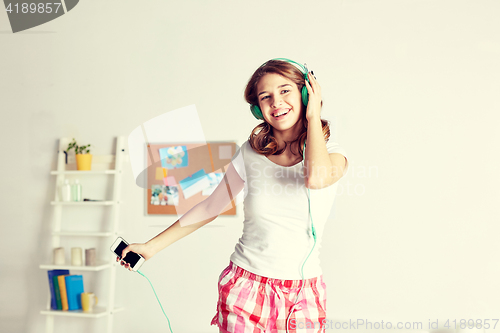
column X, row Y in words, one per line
column 134, row 259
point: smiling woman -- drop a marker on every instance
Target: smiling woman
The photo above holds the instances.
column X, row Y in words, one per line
column 271, row 284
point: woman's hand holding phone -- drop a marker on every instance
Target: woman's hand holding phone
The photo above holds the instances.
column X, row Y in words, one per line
column 143, row 249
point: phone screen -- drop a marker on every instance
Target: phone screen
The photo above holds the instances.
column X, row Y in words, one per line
column 131, row 257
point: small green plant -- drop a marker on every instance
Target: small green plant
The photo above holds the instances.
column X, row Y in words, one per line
column 78, row 149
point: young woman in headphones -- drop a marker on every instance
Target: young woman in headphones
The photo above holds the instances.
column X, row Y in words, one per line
column 288, row 169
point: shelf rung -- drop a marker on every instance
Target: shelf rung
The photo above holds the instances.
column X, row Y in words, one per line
column 82, row 233
column 85, row 203
column 86, row 172
column 99, row 267
column 96, row 312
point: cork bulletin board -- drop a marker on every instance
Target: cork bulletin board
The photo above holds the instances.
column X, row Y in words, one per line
column 181, row 175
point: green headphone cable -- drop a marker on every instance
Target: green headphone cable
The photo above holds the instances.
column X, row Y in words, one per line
column 157, row 299
column 313, row 231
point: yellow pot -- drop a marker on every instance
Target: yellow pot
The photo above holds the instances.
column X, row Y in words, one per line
column 83, row 161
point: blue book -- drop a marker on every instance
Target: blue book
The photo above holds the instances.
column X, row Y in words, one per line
column 57, row 291
column 51, row 274
column 74, row 289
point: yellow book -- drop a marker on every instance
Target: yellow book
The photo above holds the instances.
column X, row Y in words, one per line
column 62, row 288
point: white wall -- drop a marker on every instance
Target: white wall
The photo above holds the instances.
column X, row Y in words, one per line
column 410, row 86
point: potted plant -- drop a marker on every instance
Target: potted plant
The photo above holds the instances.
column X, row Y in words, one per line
column 83, row 158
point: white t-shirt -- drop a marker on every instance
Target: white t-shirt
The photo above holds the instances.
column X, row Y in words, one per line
column 277, row 235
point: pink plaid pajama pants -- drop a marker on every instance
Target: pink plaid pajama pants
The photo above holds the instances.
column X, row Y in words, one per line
column 250, row 303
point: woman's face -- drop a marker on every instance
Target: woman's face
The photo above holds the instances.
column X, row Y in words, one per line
column 279, row 95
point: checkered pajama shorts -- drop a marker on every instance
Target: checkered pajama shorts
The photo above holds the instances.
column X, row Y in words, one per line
column 250, row 303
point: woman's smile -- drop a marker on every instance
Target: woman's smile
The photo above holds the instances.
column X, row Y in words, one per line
column 281, row 113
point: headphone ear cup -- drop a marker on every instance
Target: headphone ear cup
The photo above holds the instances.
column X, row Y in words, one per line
column 257, row 113
column 305, row 95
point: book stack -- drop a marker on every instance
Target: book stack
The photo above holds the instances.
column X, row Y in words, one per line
column 65, row 290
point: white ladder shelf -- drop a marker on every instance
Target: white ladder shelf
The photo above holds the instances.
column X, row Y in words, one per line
column 117, row 159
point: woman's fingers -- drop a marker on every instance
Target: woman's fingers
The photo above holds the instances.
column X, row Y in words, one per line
column 313, row 84
column 125, row 251
column 312, row 78
column 125, row 265
column 141, row 249
column 309, row 87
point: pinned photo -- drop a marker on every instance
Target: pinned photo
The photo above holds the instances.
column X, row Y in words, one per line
column 172, row 195
column 174, row 157
column 162, row 195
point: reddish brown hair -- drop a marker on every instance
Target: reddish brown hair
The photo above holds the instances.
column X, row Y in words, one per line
column 262, row 139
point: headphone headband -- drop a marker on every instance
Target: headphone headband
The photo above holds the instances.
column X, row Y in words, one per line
column 303, row 69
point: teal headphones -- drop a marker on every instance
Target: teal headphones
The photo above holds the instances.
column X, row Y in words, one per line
column 257, row 112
